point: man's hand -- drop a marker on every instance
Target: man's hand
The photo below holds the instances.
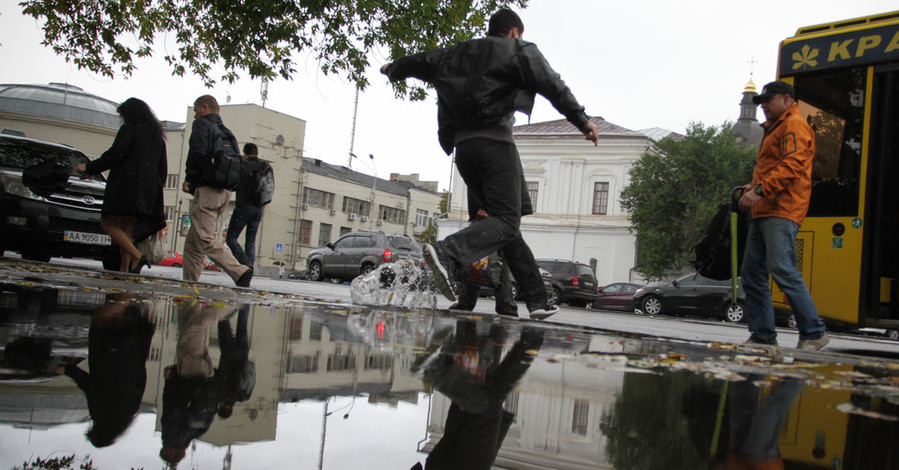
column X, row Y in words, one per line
column 591, row 132
column 749, row 199
column 185, row 186
column 80, row 171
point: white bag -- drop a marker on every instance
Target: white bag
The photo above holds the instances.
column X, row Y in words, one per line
column 153, row 247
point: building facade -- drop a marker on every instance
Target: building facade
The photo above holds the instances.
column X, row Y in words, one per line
column 575, row 189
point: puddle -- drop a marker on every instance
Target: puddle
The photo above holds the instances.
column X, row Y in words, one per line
column 123, row 379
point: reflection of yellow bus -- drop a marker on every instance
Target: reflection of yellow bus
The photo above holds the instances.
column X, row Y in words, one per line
column 846, row 76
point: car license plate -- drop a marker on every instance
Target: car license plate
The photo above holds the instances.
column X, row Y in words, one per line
column 86, row 238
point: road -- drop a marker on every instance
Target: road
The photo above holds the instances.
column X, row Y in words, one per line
column 691, row 329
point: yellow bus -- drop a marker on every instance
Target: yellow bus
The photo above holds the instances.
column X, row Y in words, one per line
column 846, row 76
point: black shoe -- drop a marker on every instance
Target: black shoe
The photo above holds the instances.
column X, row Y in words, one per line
column 441, row 270
column 244, row 279
column 140, row 265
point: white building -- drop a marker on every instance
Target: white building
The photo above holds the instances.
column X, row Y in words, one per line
column 575, row 188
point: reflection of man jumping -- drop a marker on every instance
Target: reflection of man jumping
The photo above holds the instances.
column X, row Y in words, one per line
column 468, row 370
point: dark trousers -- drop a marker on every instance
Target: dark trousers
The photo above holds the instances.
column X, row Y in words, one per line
column 492, row 170
column 249, row 216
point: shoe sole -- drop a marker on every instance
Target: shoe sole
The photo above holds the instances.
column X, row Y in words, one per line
column 440, row 275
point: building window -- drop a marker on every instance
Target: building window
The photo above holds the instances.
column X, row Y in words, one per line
column 581, row 417
column 392, row 215
column 344, row 231
column 532, row 193
column 305, row 231
column 356, row 206
column 316, row 198
column 169, row 212
column 324, row 234
column 421, row 217
column 600, row 198
column 172, row 180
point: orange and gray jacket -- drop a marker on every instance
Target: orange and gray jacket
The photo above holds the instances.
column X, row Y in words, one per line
column 482, row 82
column 784, row 167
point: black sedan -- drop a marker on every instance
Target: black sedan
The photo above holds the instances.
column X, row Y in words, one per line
column 691, row 295
column 617, row 296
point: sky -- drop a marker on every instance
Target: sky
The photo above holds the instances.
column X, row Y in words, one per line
column 638, row 64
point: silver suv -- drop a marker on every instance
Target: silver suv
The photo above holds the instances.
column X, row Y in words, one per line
column 44, row 212
column 358, row 253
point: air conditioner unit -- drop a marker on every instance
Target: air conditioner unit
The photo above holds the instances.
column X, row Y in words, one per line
column 352, row 216
column 365, row 218
column 333, row 211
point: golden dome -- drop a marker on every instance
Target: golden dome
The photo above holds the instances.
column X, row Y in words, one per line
column 750, row 87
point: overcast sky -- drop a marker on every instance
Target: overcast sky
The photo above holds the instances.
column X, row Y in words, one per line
column 638, row 64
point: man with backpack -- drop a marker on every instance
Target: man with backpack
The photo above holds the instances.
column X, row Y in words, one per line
column 253, row 193
column 211, row 173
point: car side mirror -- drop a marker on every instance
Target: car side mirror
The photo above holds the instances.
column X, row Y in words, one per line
column 674, row 283
column 329, row 245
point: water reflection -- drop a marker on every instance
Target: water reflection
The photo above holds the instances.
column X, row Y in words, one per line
column 209, row 384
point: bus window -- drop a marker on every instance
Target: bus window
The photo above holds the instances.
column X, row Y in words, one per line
column 833, row 103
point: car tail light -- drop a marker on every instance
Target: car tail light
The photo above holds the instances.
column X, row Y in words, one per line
column 575, row 282
column 387, row 257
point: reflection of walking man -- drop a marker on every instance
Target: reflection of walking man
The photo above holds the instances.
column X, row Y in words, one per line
column 236, row 375
column 480, row 85
column 246, row 212
column 209, row 201
column 778, row 198
column 755, row 426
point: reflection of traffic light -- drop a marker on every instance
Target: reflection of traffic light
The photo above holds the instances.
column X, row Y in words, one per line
column 379, row 328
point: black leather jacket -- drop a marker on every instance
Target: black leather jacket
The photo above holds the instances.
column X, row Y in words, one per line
column 481, row 84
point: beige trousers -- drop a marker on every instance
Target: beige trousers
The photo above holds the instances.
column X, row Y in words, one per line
column 208, row 206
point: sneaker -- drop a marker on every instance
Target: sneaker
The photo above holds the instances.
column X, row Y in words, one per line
column 441, row 274
column 244, row 279
column 813, row 344
column 545, row 312
column 758, row 344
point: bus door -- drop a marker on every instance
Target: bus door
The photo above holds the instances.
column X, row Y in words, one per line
column 880, row 262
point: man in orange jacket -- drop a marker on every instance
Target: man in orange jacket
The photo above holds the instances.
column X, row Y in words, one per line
column 779, row 198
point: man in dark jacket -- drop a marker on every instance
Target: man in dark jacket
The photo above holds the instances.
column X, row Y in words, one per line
column 480, row 85
column 246, row 212
column 209, row 202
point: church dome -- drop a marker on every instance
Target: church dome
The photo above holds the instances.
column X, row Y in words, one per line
column 750, row 87
column 59, row 101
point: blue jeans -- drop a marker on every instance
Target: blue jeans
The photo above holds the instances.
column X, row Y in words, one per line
column 770, row 248
column 247, row 216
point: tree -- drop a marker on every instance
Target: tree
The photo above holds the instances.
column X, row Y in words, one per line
column 260, row 37
column 676, row 188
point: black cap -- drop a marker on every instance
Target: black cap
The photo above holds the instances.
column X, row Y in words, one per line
column 772, row 89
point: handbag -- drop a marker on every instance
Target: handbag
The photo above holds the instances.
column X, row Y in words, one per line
column 153, row 247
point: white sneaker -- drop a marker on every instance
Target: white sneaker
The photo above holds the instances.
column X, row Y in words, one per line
column 542, row 313
column 813, row 344
column 441, row 276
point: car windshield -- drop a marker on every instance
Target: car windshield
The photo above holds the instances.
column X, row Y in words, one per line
column 22, row 154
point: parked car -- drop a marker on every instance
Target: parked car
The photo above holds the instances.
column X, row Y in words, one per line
column 487, row 289
column 617, row 296
column 45, row 212
column 573, row 283
column 359, row 253
column 172, row 258
column 692, row 294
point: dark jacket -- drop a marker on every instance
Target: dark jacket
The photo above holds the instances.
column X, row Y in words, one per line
column 199, row 151
column 481, row 84
column 188, row 409
column 138, row 168
column 247, row 188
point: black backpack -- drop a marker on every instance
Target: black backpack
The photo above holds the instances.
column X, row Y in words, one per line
column 264, row 189
column 225, row 171
column 715, row 249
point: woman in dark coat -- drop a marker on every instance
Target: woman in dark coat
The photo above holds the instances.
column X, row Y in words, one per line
column 137, row 170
